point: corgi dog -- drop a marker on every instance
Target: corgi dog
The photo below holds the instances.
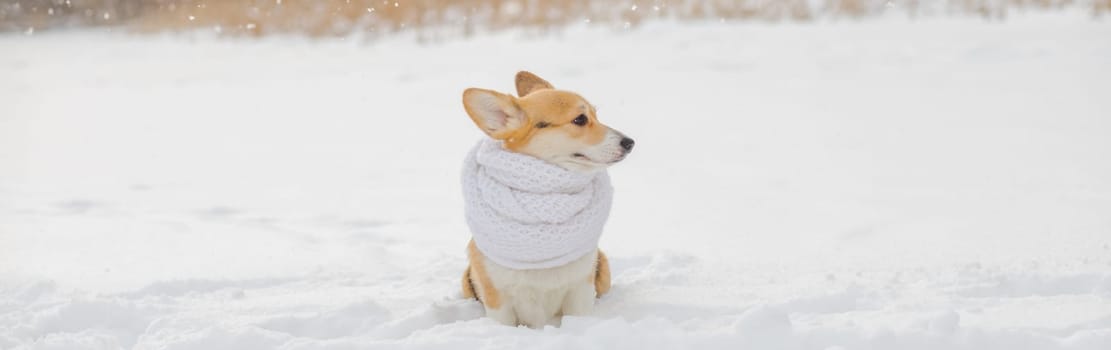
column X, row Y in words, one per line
column 555, row 128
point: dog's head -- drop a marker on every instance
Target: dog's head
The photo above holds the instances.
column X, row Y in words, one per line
column 558, row 126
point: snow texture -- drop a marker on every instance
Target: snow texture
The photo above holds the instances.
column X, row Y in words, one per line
column 943, row 184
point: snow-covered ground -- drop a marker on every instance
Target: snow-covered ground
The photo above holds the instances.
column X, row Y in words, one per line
column 887, row 184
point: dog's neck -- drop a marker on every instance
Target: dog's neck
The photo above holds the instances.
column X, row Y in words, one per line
column 526, row 213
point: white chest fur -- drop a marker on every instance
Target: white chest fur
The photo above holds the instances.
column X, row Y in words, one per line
column 539, row 297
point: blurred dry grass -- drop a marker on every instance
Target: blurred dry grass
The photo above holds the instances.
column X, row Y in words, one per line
column 376, row 17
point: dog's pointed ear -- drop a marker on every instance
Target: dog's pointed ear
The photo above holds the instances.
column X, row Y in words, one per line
column 497, row 114
column 527, row 83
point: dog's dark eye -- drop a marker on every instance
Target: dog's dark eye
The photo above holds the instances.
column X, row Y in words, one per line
column 581, row 120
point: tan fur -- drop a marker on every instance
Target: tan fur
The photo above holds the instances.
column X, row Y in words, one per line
column 540, row 103
column 527, row 83
column 602, row 278
column 557, row 109
column 476, row 274
column 468, row 285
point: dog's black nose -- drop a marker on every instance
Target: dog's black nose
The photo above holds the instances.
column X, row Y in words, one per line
column 627, row 144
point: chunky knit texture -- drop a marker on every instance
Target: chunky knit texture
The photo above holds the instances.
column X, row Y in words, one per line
column 526, row 213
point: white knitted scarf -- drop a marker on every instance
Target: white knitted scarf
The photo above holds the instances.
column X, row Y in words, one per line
column 526, row 213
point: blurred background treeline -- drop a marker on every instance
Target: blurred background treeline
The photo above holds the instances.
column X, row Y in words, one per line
column 377, row 17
